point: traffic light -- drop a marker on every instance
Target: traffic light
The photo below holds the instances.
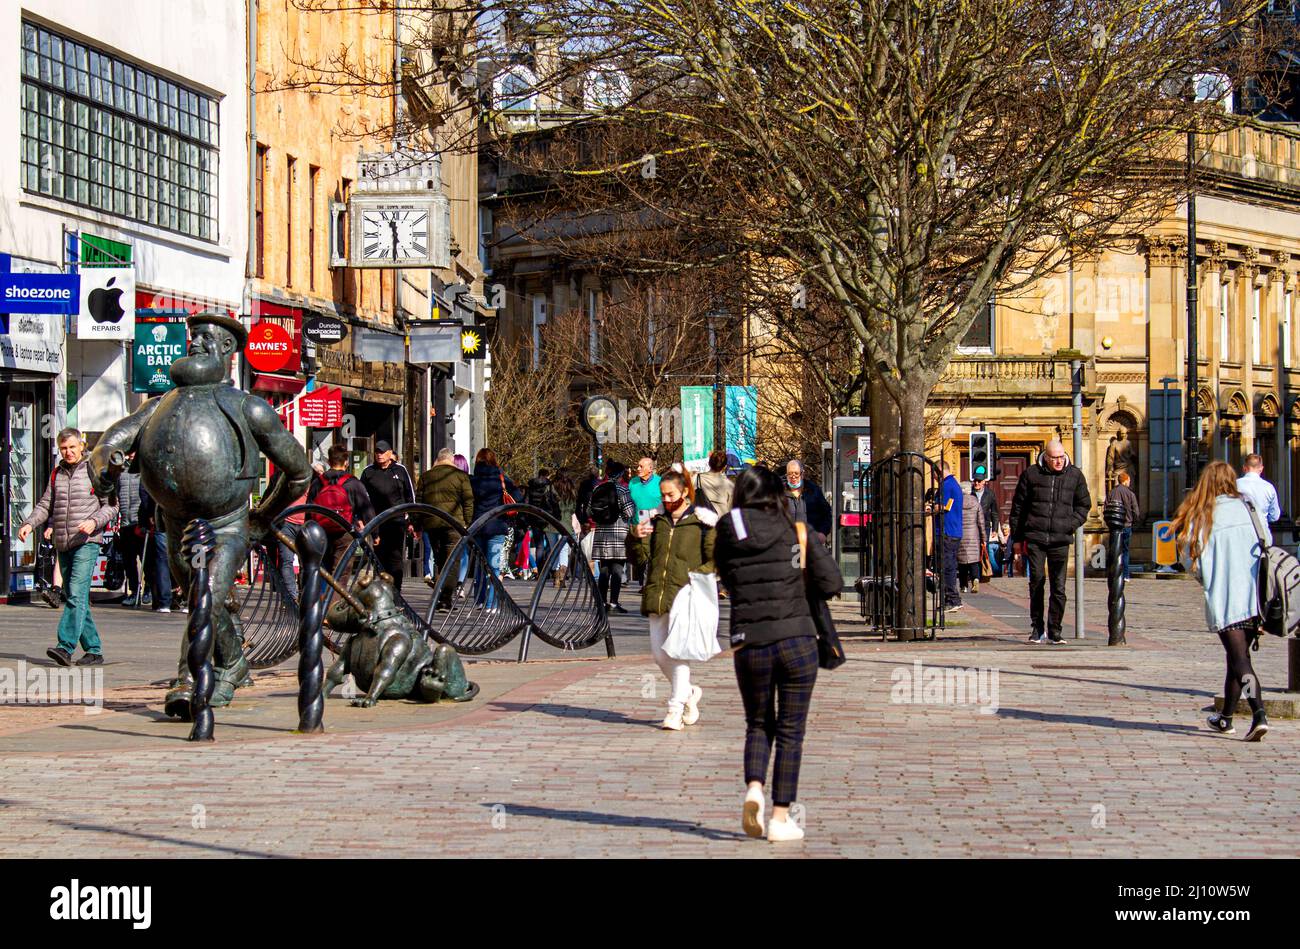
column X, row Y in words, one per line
column 982, row 452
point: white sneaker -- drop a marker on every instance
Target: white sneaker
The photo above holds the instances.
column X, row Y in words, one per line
column 779, row 830
column 691, row 713
column 751, row 818
column 673, row 720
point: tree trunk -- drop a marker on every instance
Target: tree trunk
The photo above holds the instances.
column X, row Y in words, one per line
column 915, row 527
column 884, row 420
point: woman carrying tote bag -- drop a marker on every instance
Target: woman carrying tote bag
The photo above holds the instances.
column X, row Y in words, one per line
column 670, row 546
column 758, row 556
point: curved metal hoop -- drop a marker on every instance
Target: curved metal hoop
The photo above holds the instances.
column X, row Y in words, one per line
column 484, row 621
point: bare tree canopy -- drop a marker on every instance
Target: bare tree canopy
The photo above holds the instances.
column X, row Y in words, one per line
column 905, row 158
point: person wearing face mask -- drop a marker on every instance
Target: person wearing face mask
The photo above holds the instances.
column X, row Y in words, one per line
column 806, row 502
column 671, row 545
column 1050, row 504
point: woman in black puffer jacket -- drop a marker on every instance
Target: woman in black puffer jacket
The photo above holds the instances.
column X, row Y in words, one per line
column 757, row 557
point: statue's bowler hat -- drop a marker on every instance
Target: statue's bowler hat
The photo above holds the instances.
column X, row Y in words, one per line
column 228, row 323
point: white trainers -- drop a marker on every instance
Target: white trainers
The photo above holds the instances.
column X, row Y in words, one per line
column 779, row 830
column 691, row 713
column 751, row 818
column 673, row 720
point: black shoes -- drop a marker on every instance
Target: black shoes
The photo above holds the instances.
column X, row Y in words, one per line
column 91, row 659
column 1056, row 640
column 59, row 655
column 1037, row 639
column 1221, row 724
column 1258, row 728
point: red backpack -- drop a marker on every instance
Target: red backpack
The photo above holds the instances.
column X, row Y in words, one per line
column 334, row 495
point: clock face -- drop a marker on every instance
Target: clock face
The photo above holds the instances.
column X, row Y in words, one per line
column 600, row 415
column 395, row 234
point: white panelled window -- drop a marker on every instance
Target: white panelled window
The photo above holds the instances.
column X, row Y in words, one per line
column 1286, row 329
column 980, row 338
column 593, row 325
column 539, row 320
column 99, row 131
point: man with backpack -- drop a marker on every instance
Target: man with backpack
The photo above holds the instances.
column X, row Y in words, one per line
column 612, row 510
column 343, row 494
column 389, row 485
column 540, row 494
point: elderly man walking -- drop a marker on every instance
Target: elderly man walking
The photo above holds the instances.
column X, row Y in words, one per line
column 447, row 488
column 76, row 519
column 1050, row 504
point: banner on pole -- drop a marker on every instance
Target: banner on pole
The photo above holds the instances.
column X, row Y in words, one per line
column 697, row 426
column 742, row 423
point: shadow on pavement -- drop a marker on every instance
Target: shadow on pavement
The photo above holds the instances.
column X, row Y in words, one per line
column 621, row 820
column 1146, row 687
column 1097, row 721
column 573, row 711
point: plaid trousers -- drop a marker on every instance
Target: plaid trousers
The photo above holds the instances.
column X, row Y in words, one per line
column 776, row 685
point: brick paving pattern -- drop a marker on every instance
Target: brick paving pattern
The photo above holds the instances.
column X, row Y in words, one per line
column 1091, row 752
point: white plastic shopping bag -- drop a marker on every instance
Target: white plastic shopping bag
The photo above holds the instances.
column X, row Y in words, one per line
column 693, row 620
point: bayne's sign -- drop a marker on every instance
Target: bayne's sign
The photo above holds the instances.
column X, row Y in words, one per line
column 322, row 408
column 269, row 347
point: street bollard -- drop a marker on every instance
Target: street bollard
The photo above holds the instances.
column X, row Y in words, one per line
column 196, row 544
column 311, row 641
column 1115, row 589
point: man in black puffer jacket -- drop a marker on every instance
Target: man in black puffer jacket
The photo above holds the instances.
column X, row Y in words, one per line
column 1050, row 504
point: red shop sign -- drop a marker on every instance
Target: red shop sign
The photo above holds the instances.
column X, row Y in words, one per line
column 322, row 408
column 269, row 347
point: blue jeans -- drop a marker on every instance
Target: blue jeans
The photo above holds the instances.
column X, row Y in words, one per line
column 1124, row 537
column 492, row 548
column 76, row 625
column 160, row 572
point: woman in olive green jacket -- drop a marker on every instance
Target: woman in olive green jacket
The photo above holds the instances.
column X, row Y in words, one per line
column 672, row 545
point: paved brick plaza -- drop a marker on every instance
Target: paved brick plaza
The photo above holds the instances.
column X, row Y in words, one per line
column 1091, row 752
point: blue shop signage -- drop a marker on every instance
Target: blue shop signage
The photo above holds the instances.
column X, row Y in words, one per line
column 39, row 293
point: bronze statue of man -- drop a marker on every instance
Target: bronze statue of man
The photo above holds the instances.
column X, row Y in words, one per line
column 197, row 451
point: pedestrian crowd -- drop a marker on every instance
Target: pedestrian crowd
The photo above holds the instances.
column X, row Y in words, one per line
column 686, row 539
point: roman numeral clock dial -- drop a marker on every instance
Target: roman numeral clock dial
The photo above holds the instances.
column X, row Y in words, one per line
column 396, row 235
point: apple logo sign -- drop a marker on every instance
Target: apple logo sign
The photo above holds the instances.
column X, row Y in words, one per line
column 104, row 304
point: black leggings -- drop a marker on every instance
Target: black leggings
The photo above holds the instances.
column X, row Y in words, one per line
column 610, row 581
column 1237, row 642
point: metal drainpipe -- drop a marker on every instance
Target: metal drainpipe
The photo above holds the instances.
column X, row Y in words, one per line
column 251, row 262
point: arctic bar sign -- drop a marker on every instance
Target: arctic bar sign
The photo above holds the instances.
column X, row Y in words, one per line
column 39, row 293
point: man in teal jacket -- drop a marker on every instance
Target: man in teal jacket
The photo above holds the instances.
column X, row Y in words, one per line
column 645, row 487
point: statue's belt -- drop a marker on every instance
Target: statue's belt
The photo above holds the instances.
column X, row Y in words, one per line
column 388, row 614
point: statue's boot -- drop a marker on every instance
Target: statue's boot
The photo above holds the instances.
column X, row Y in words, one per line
column 232, row 677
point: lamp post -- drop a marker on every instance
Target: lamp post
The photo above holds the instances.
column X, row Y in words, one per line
column 1191, row 420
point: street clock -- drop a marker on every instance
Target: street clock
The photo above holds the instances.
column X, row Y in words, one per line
column 397, row 216
column 599, row 416
column 391, row 232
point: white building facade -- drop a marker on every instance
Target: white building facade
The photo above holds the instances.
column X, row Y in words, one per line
column 126, row 148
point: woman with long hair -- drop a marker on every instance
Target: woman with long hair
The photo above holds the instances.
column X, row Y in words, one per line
column 1213, row 526
column 757, row 555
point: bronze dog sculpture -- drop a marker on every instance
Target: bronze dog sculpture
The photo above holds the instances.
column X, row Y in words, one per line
column 386, row 656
